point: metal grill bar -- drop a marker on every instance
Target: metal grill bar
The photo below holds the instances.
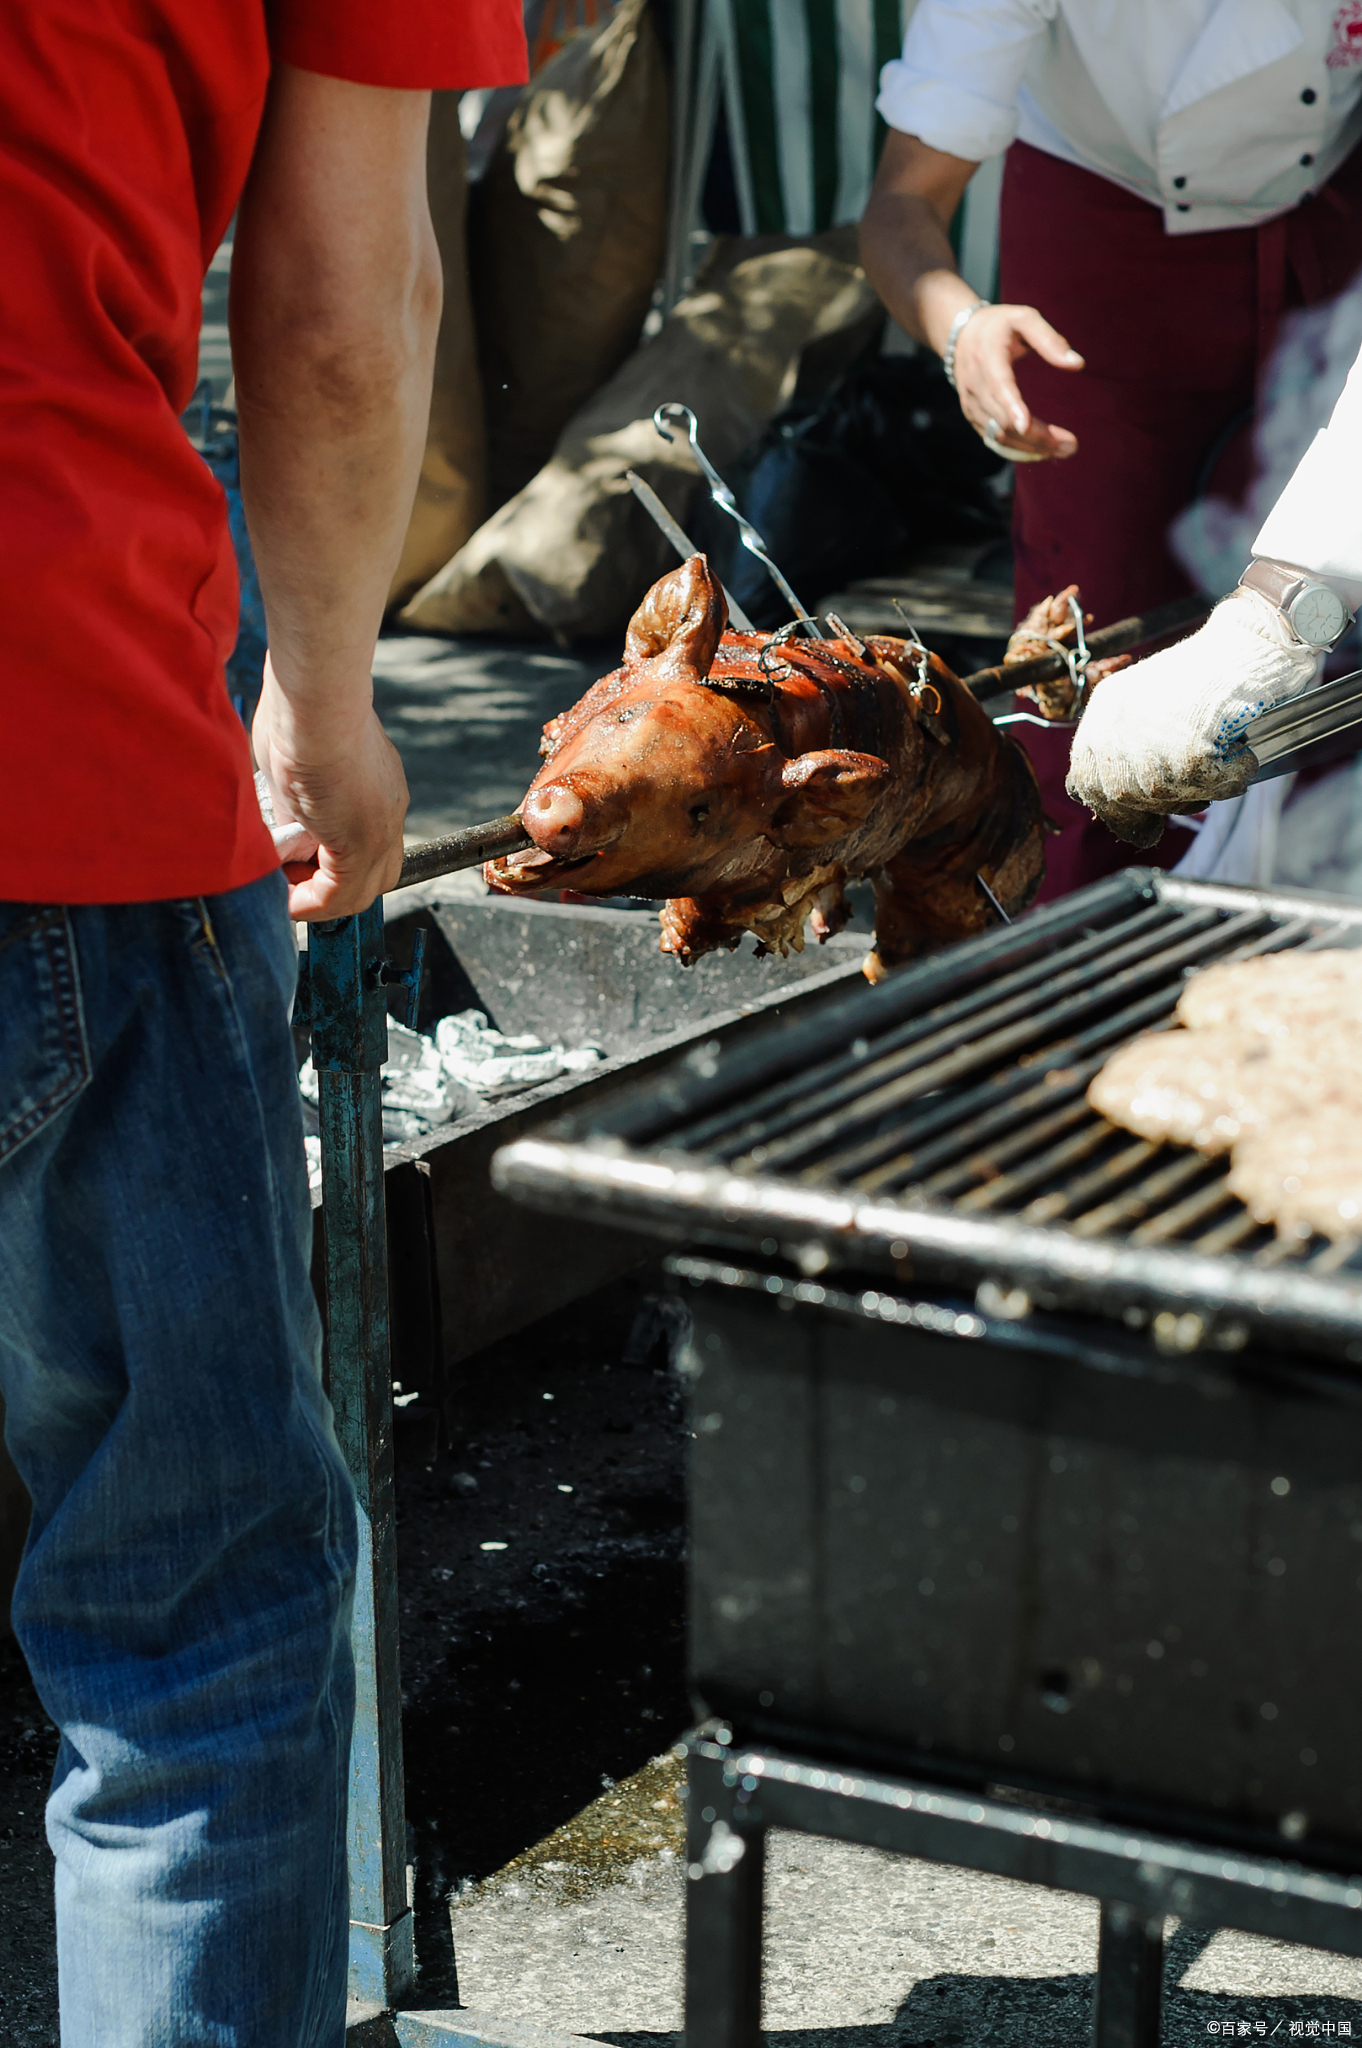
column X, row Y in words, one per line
column 1065, row 1201
column 966, row 1131
column 948, row 1124
column 980, row 1103
column 1237, row 1229
column 672, row 1107
column 1183, row 1215
column 988, row 1166
column 1057, row 1085
column 997, row 1045
column 1147, row 1195
column 841, row 1079
column 1336, row 1256
column 1042, row 1166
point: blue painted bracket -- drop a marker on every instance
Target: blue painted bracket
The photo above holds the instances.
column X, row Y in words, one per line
column 349, row 1046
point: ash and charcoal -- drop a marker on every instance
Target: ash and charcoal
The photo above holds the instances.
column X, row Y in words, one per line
column 463, row 1067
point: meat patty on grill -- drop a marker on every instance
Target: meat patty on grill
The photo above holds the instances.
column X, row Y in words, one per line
column 1202, row 1088
column 1304, row 1174
column 1264, row 1068
column 1280, row 996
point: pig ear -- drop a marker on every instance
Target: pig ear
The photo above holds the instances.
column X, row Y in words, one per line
column 826, row 794
column 680, row 621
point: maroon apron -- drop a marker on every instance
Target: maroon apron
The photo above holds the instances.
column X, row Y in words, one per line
column 1176, row 331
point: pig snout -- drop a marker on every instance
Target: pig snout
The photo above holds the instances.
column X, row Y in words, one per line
column 555, row 818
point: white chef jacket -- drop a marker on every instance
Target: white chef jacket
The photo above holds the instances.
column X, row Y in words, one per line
column 1222, row 112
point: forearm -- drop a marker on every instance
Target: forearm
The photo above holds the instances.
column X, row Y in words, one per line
column 1316, row 523
column 334, row 308
column 907, row 256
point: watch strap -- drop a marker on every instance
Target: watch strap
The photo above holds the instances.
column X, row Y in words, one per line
column 1283, row 587
column 1272, row 581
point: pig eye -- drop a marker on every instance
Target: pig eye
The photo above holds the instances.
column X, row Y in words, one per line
column 627, row 714
column 699, row 813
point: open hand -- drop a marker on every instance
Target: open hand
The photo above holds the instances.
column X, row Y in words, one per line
column 990, row 343
column 332, row 771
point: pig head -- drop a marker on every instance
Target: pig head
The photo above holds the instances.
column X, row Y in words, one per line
column 662, row 783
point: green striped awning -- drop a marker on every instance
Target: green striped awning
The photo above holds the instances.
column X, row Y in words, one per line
column 799, row 85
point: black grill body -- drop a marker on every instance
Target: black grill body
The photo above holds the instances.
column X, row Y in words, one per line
column 969, row 1550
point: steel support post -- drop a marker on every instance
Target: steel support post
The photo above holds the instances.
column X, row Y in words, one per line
column 349, row 1046
column 724, row 1900
column 1128, row 2000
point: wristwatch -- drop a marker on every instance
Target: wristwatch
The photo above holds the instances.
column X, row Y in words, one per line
column 1316, row 614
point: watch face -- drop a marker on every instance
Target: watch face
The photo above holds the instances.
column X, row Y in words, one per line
column 1318, row 615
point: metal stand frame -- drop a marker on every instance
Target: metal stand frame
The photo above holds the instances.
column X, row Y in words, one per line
column 738, row 1793
column 348, row 974
column 349, row 1046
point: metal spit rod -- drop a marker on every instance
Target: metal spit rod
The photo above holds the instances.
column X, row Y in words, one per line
column 681, row 541
column 1119, row 638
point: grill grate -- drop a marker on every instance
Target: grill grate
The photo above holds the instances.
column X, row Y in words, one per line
column 901, row 1113
column 953, row 1097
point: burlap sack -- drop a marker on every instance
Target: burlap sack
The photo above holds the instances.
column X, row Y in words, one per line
column 566, row 238
column 574, row 549
column 451, row 495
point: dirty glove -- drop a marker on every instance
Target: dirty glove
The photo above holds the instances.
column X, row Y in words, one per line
column 1167, row 734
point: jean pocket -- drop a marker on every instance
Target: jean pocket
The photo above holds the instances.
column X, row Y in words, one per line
column 44, row 1056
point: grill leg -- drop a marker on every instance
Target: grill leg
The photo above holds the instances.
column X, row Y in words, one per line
column 349, row 1044
column 724, row 1900
column 1128, row 2001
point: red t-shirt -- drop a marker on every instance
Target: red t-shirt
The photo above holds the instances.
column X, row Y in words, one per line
column 126, row 131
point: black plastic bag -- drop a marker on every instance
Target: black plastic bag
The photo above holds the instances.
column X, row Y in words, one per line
column 857, row 482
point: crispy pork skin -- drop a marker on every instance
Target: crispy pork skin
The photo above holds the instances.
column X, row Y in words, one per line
column 746, row 778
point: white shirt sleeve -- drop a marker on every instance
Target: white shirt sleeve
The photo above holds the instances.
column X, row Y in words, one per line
column 1316, row 523
column 955, row 86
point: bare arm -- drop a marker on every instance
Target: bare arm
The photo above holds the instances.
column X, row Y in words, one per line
column 906, row 251
column 335, row 299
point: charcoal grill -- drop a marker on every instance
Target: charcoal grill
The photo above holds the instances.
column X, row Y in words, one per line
column 936, row 1128
column 1027, row 1468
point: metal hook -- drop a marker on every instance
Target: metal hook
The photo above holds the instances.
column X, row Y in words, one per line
column 673, row 414
column 924, row 659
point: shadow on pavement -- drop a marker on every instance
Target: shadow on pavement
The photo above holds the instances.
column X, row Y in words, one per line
column 1056, row 2012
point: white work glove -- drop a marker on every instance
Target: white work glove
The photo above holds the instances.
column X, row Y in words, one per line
column 1168, row 733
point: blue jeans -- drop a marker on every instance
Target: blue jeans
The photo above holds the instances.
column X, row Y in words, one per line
column 184, row 1600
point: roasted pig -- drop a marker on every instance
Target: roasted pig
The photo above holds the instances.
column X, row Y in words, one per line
column 746, row 778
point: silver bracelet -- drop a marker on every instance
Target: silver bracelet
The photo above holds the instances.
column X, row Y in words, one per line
column 958, row 326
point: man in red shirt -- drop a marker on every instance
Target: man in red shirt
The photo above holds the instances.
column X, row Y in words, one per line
column 184, row 1599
